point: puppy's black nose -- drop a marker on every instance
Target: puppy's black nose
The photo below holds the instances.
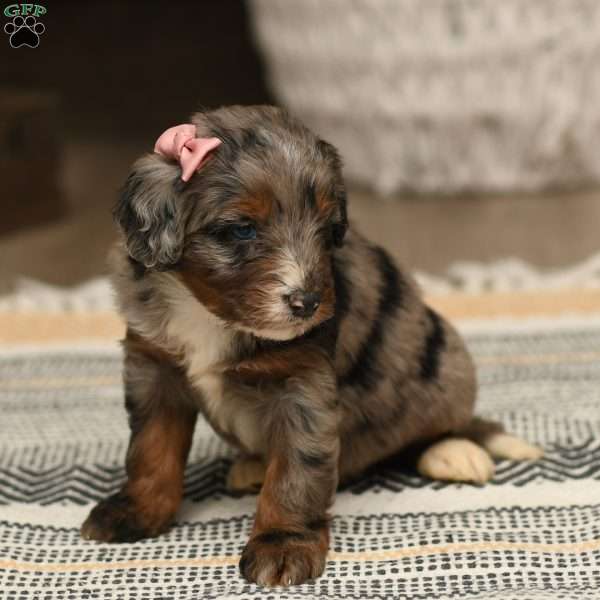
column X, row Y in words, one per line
column 304, row 304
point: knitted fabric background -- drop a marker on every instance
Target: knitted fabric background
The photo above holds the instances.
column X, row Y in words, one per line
column 443, row 95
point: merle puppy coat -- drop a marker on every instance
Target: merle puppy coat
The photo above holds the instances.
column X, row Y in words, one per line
column 249, row 299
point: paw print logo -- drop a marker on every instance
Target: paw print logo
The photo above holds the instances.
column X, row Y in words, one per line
column 24, row 31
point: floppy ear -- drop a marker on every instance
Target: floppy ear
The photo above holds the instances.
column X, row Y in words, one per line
column 150, row 214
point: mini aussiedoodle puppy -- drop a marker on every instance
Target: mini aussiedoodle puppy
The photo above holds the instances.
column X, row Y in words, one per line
column 249, row 299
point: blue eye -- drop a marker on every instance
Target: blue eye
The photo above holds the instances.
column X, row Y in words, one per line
column 243, row 232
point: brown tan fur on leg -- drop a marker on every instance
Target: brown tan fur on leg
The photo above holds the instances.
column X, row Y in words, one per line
column 282, row 549
column 162, row 425
column 290, row 537
column 156, row 464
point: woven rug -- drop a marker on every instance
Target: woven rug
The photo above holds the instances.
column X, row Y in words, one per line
column 533, row 532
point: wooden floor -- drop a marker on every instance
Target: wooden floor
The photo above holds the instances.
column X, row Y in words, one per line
column 424, row 233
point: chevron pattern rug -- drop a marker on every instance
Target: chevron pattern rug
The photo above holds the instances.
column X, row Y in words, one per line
column 533, row 532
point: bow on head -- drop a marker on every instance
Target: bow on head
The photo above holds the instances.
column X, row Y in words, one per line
column 180, row 143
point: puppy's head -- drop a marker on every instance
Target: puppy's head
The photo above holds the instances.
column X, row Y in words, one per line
column 252, row 233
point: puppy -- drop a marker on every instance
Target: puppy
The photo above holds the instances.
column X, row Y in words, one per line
column 249, row 299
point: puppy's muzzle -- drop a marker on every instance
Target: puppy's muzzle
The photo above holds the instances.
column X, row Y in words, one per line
column 303, row 304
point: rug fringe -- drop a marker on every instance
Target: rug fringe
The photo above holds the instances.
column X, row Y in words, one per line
column 511, row 275
column 505, row 275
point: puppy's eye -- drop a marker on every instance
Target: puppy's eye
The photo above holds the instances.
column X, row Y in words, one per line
column 243, row 232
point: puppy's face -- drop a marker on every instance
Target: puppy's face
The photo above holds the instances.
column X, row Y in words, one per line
column 256, row 227
column 261, row 259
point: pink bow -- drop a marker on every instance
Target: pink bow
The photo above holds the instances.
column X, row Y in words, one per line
column 180, row 143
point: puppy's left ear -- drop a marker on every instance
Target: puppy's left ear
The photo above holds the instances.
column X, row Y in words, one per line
column 150, row 213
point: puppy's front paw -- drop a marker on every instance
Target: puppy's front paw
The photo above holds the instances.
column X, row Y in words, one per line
column 279, row 557
column 114, row 520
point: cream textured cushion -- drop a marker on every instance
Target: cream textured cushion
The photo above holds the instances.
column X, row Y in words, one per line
column 443, row 95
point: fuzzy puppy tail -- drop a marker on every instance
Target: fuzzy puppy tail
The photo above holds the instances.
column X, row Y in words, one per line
column 467, row 454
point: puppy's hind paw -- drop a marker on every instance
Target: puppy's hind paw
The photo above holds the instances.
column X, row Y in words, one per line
column 246, row 475
column 456, row 459
column 504, row 445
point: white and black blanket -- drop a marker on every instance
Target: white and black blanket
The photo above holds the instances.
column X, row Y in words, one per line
column 532, row 533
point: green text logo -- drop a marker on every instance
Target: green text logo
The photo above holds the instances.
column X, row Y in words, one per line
column 22, row 10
